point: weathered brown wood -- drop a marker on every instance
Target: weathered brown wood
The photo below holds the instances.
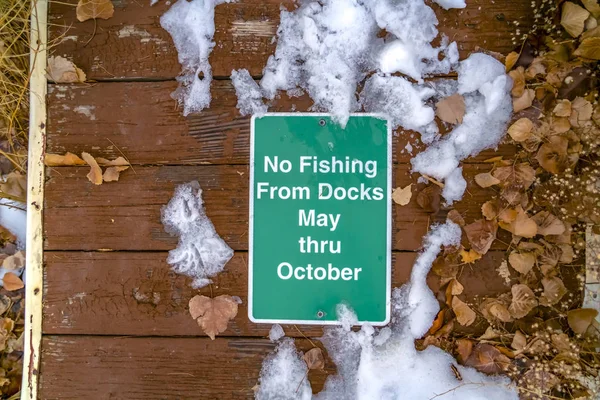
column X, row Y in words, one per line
column 141, row 120
column 97, row 367
column 132, row 43
column 125, row 215
column 129, row 293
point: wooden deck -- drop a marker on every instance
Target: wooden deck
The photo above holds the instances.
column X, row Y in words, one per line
column 115, row 321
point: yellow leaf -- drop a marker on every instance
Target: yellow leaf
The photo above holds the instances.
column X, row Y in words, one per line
column 112, row 173
column 489, row 210
column 573, row 18
column 451, row 109
column 56, row 160
column 511, row 60
column 213, row 315
column 61, row 70
column 469, row 256
column 464, row 314
column 402, row 196
column 95, row 174
column 92, row 9
column 589, row 48
column 521, row 129
column 12, row 282
column 580, row 319
column 518, row 77
column 592, row 6
column 562, row 108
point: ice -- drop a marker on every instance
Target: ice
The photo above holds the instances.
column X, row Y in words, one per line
column 192, row 26
column 283, row 375
column 384, row 364
column 276, row 333
column 200, row 252
column 248, row 93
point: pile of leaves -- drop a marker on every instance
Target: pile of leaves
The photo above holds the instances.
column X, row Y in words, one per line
column 544, row 198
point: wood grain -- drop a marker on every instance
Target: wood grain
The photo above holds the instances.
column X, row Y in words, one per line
column 141, row 120
column 99, row 367
column 129, row 293
column 132, row 44
column 125, row 215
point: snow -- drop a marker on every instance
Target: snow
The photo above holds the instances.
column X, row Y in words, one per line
column 248, row 93
column 14, row 218
column 276, row 333
column 191, row 25
column 384, row 364
column 200, row 252
column 448, row 4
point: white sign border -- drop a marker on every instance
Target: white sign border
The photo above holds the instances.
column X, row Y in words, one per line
column 389, row 222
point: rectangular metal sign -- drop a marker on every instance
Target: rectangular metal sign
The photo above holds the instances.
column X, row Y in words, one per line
column 320, row 218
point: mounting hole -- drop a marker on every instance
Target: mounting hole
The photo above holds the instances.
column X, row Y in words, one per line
column 320, row 314
column 322, row 122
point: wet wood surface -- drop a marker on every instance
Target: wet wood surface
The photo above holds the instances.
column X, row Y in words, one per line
column 116, row 323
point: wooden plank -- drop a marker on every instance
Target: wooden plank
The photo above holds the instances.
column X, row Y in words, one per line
column 141, row 120
column 97, row 367
column 132, row 44
column 128, row 293
column 125, row 215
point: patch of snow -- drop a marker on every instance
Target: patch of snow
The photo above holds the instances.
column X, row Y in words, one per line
column 14, row 218
column 191, row 24
column 88, row 111
column 448, row 4
column 276, row 333
column 200, row 252
column 408, row 148
column 248, row 93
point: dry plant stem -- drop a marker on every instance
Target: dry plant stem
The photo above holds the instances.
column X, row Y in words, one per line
column 93, row 33
column 120, row 152
column 304, row 336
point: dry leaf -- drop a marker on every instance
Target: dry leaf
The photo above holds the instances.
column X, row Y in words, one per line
column 536, row 68
column 552, row 155
column 92, row 9
column 438, row 322
column 488, row 359
column 451, row 109
column 57, row 160
column 581, row 319
column 481, row 234
column 117, row 162
column 489, row 210
column 521, row 129
column 112, row 173
column 523, row 301
column 548, row 224
column 554, row 290
column 519, row 341
column 455, row 287
column 518, row 77
column 489, row 334
column 455, row 217
column 562, row 108
column 402, row 196
column 592, row 6
column 12, row 282
column 524, row 101
column 464, row 348
column 589, row 48
column 581, row 113
column 486, row 180
column 470, row 256
column 429, row 198
column 516, row 221
column 464, row 314
column 542, row 381
column 213, row 314
column 95, row 174
column 16, row 261
column 521, row 176
column 61, row 70
column 504, row 272
column 314, row 359
column 521, row 262
column 15, row 185
column 500, row 312
column 573, row 18
column 511, row 60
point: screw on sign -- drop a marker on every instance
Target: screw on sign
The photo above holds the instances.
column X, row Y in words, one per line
column 320, row 218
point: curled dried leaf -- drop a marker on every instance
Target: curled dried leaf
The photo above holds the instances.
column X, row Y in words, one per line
column 573, row 18
column 464, row 347
column 524, row 101
column 12, row 282
column 589, row 48
column 464, row 314
column 562, row 108
column 117, row 162
column 489, row 210
column 57, row 160
column 510, row 60
column 95, row 174
column 15, row 184
column 518, row 78
column 402, row 196
column 112, row 173
column 61, row 70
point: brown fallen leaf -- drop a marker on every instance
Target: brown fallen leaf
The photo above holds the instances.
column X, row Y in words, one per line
column 592, row 6
column 554, row 290
column 519, row 341
column 93, row 9
column 488, row 359
column 314, row 359
column 57, row 160
column 548, row 224
column 456, row 217
column 522, row 262
column 518, row 77
column 552, row 155
column 489, row 210
column 481, row 234
column 95, row 174
column 117, row 162
column 524, row 101
column 521, row 129
column 402, row 196
column 511, row 60
column 464, row 314
column 523, row 301
column 451, row 109
column 16, row 261
column 213, row 314
column 464, row 348
column 573, row 18
column 61, row 70
column 438, row 322
column 455, row 287
column 516, row 221
column 429, row 199
column 521, row 175
column 12, row 282
column 581, row 319
column 562, row 108
column 112, row 173
column 486, row 180
column 589, row 48
column 542, row 381
column 15, row 185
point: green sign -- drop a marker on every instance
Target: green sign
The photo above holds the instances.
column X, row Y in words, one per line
column 320, row 218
